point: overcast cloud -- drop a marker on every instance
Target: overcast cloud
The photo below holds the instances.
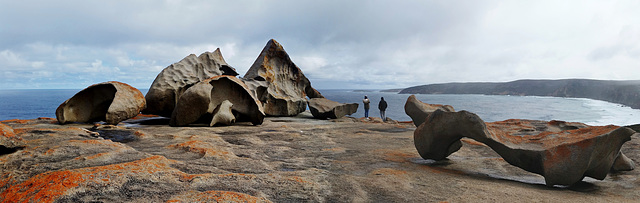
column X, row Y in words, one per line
column 337, row 44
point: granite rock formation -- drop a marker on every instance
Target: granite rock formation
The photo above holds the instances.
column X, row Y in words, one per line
column 419, row 111
column 623, row 163
column 278, row 83
column 286, row 159
column 207, row 97
column 223, row 114
column 322, row 108
column 8, row 141
column 563, row 153
column 175, row 79
column 111, row 102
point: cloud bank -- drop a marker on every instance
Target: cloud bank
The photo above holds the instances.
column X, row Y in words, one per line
column 337, row 44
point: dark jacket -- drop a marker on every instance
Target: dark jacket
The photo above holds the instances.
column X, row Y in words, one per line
column 366, row 103
column 382, row 105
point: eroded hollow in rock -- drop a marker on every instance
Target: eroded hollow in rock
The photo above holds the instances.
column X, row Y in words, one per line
column 122, row 136
column 90, row 104
column 8, row 150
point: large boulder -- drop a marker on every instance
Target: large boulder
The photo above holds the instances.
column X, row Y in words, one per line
column 323, row 108
column 209, row 101
column 279, row 83
column 419, row 111
column 111, row 102
column 564, row 153
column 178, row 77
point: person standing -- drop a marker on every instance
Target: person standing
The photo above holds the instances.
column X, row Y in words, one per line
column 383, row 107
column 366, row 106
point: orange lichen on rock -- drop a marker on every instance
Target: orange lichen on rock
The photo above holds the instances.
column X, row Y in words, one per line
column 46, row 187
column 395, row 156
column 202, row 148
column 5, row 179
column 298, row 179
column 6, row 131
column 574, row 136
column 139, row 133
column 504, row 132
column 18, row 131
column 141, row 116
column 20, row 121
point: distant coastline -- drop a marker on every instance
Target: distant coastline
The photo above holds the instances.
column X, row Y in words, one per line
column 626, row 92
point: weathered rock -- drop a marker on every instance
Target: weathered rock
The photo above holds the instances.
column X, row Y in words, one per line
column 9, row 143
column 286, row 159
column 178, row 77
column 201, row 100
column 419, row 111
column 563, row 157
column 285, row 88
column 216, row 196
column 323, row 108
column 111, row 102
column 223, row 114
column 623, row 163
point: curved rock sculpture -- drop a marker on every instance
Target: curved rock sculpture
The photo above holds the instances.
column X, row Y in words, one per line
column 419, row 111
column 223, row 114
column 623, row 163
column 323, row 108
column 111, row 102
column 563, row 153
column 206, row 100
column 178, row 77
column 285, row 88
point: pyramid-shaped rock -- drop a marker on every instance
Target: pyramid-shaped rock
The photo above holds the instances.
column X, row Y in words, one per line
column 278, row 83
column 178, row 77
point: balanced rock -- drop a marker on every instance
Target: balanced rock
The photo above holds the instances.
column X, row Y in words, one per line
column 419, row 111
column 111, row 102
column 323, row 108
column 178, row 77
column 211, row 99
column 558, row 151
column 278, row 83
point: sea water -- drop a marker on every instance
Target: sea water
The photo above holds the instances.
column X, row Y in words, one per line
column 499, row 107
column 30, row 104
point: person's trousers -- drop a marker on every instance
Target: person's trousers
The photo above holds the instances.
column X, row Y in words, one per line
column 384, row 118
column 366, row 113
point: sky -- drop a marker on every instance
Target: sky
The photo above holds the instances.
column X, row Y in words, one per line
column 71, row 44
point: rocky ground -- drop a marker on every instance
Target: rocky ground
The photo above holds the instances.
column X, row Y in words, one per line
column 286, row 159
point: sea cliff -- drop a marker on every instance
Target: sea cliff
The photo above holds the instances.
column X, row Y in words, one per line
column 621, row 92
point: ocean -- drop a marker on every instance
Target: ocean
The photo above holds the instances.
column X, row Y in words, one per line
column 30, row 104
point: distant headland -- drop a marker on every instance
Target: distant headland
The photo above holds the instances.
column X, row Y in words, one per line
column 626, row 92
